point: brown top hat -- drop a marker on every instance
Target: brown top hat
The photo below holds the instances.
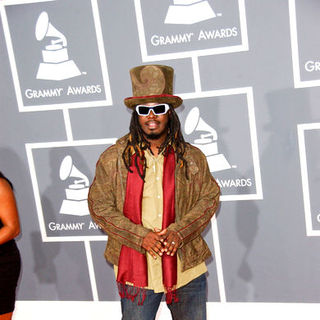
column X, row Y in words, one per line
column 152, row 83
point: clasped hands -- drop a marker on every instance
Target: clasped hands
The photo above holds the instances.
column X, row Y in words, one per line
column 159, row 242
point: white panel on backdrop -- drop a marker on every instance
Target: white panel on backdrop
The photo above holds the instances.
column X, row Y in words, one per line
column 84, row 310
column 193, row 28
column 304, row 20
column 309, row 140
column 222, row 124
column 52, row 79
column 60, row 185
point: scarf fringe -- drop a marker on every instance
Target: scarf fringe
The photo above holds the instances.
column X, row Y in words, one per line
column 131, row 292
column 171, row 296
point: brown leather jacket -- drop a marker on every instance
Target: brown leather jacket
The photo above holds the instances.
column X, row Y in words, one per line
column 197, row 199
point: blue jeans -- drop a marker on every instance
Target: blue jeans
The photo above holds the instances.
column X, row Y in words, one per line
column 191, row 306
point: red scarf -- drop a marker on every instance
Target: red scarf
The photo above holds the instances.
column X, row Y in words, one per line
column 133, row 264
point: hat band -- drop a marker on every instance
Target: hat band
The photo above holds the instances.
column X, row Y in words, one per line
column 153, row 96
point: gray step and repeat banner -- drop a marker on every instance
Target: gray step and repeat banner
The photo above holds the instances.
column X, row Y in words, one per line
column 249, row 74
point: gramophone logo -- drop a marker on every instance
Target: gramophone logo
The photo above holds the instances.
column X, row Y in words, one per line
column 189, row 12
column 77, row 192
column 56, row 64
column 208, row 141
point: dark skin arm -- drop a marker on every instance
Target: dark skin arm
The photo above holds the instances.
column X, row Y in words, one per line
column 8, row 213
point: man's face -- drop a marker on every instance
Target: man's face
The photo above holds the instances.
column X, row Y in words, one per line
column 154, row 126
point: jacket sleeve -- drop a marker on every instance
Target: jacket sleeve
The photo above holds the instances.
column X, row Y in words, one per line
column 193, row 222
column 102, row 201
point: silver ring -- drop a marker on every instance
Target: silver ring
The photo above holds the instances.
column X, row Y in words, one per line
column 173, row 243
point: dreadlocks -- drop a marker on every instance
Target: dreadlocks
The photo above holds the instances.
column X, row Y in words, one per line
column 137, row 143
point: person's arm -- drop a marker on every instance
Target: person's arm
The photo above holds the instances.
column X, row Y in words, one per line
column 103, row 209
column 8, row 213
column 195, row 221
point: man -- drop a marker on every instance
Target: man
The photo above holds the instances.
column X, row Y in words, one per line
column 153, row 195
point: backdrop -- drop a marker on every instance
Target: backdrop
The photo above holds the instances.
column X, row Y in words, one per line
column 248, row 72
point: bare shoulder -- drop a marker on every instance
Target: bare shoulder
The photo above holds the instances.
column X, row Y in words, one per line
column 7, row 197
column 5, row 187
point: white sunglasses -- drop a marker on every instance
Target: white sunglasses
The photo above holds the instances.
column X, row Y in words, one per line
column 157, row 110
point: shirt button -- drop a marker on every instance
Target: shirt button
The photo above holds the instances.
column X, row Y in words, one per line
column 157, row 178
column 158, row 197
column 159, row 215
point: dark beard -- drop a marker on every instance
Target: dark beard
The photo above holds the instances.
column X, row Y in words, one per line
column 154, row 136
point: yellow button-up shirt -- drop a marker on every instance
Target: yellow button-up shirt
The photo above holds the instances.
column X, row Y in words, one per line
column 152, row 209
